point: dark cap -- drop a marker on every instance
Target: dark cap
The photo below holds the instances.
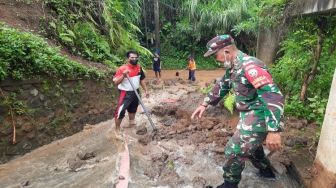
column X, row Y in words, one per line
column 217, row 43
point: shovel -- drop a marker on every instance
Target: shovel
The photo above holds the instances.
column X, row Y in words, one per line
column 142, row 104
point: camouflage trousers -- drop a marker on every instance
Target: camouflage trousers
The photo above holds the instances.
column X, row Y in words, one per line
column 243, row 145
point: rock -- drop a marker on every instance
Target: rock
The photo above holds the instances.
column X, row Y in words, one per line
column 31, row 135
column 207, row 124
column 217, row 149
column 6, row 130
column 219, row 125
column 297, row 124
column 172, row 132
column 144, row 140
column 296, row 140
column 289, row 142
column 152, row 172
column 301, row 140
column 141, row 130
column 181, row 81
column 198, row 137
column 86, row 155
column 168, row 83
column 279, row 168
column 27, row 128
column 192, row 127
column 27, row 146
column 75, row 164
column 167, row 176
column 182, row 130
column 182, row 114
column 35, row 103
column 162, row 157
column 88, row 126
column 168, row 121
column 34, row 92
column 93, row 111
column 41, row 97
column 25, row 183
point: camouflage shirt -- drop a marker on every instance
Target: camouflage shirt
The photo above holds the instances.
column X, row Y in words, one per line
column 254, row 92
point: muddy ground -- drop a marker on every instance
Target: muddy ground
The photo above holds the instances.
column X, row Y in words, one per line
column 182, row 153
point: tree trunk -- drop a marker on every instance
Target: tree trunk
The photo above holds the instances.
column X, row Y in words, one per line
column 157, row 24
column 145, row 21
column 316, row 59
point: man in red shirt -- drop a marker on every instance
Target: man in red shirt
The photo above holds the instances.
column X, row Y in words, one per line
column 127, row 98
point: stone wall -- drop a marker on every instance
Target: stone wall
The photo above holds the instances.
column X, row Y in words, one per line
column 44, row 111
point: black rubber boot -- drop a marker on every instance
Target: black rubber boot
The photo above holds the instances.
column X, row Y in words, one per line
column 227, row 184
column 267, row 173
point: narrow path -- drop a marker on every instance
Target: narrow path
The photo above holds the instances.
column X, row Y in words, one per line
column 202, row 76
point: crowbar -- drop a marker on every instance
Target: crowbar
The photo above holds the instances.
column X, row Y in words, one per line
column 142, row 104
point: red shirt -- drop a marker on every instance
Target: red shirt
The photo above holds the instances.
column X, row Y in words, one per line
column 135, row 74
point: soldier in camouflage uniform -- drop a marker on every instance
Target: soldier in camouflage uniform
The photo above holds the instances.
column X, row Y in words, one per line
column 260, row 104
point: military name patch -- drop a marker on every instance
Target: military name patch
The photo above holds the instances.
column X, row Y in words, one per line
column 258, row 76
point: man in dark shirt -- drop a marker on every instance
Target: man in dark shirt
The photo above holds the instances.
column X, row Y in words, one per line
column 157, row 65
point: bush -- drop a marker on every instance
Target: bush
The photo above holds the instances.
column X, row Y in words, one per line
column 312, row 110
column 91, row 43
column 24, row 55
column 299, row 51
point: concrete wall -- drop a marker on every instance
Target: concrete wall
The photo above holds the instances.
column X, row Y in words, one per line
column 325, row 162
column 269, row 39
column 267, row 45
column 314, row 6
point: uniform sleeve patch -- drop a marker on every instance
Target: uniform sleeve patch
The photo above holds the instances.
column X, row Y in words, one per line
column 258, row 76
column 253, row 73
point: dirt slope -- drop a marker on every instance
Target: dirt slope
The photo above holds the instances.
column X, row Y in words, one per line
column 31, row 17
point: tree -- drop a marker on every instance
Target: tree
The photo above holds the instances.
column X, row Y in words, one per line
column 310, row 75
column 157, row 24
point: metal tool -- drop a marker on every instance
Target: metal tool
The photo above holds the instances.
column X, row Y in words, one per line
column 142, row 104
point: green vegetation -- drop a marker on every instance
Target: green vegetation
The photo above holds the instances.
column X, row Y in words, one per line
column 197, row 21
column 13, row 105
column 229, row 99
column 300, row 55
column 101, row 31
column 29, row 56
column 104, row 30
column 229, row 102
column 303, row 72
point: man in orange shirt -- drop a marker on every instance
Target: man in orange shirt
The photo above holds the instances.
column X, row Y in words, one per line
column 128, row 99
